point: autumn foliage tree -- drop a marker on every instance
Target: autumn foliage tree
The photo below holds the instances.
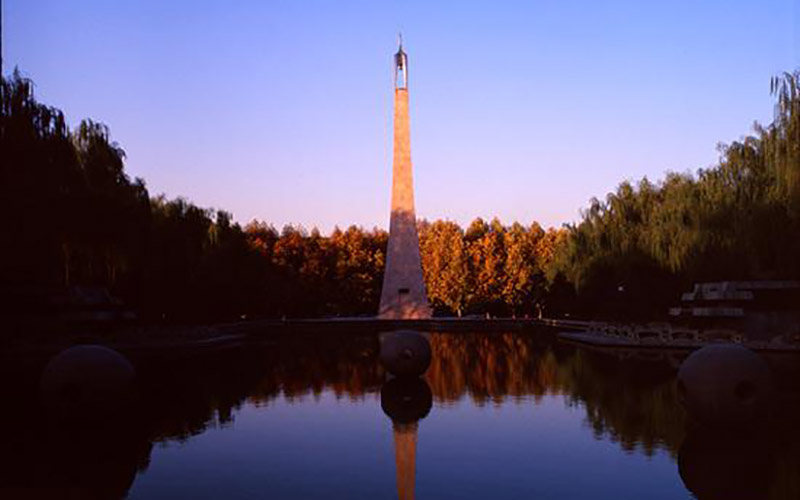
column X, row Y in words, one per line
column 489, row 268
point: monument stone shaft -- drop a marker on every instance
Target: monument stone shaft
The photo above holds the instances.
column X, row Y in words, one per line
column 403, row 295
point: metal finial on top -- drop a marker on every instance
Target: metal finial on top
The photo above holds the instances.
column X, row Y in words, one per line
column 400, row 65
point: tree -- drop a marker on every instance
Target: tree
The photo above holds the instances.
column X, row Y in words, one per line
column 445, row 265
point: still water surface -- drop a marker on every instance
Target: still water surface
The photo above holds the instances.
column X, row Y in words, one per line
column 512, row 415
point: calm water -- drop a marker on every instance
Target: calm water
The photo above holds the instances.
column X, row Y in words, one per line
column 496, row 416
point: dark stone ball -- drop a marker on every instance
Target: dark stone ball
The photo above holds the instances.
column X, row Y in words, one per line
column 405, row 353
column 87, row 383
column 406, row 400
column 726, row 385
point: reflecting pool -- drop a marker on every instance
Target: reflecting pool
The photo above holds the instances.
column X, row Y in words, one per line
column 314, row 415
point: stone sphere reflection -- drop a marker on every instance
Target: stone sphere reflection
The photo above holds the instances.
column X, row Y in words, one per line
column 725, row 466
column 405, row 353
column 724, row 385
column 87, row 383
column 97, row 461
column 406, row 400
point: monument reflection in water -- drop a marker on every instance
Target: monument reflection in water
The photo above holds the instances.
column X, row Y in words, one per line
column 405, row 398
column 406, row 401
column 495, row 415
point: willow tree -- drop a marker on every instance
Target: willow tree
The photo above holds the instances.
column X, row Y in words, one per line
column 781, row 140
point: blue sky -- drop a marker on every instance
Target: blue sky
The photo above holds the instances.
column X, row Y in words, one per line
column 281, row 110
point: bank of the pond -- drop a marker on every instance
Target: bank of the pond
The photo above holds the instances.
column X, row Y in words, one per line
column 167, row 341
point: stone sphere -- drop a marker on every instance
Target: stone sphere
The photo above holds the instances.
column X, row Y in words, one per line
column 87, row 383
column 406, row 400
column 405, row 353
column 726, row 466
column 726, row 385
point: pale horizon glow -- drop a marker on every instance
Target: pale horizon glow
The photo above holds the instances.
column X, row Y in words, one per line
column 281, row 111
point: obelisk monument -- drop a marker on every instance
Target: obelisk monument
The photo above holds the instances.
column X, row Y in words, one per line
column 403, row 295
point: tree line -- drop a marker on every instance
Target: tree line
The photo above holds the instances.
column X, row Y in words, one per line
column 638, row 248
column 74, row 217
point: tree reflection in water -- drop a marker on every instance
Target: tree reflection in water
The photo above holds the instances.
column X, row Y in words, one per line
column 630, row 402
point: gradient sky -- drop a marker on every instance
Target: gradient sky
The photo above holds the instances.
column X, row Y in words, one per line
column 281, row 110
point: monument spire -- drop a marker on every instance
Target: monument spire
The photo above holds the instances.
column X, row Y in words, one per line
column 403, row 294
